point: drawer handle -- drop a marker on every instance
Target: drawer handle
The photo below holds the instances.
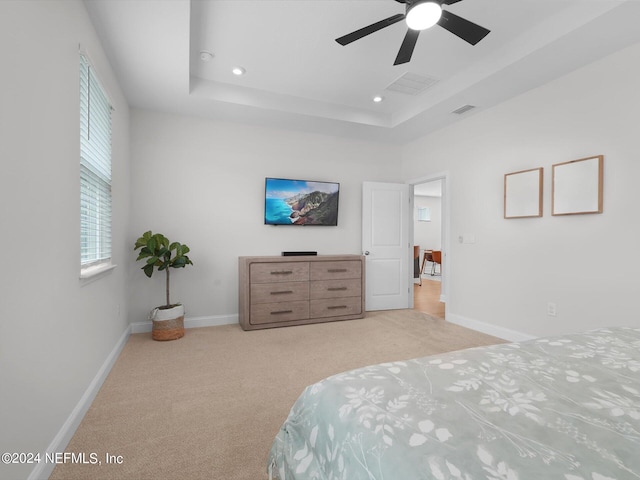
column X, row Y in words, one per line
column 282, row 272
column 337, row 307
column 337, row 270
column 336, row 289
column 281, row 312
column 281, row 292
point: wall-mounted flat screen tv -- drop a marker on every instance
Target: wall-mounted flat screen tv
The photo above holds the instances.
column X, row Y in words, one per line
column 300, row 202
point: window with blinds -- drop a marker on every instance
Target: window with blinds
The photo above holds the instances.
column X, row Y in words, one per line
column 95, row 170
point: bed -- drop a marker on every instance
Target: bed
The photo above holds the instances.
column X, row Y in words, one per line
column 566, row 407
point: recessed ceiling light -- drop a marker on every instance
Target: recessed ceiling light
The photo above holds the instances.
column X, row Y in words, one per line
column 238, row 71
column 378, row 98
column 206, row 56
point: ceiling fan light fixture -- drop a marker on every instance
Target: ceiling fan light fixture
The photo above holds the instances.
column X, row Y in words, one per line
column 238, row 71
column 423, row 14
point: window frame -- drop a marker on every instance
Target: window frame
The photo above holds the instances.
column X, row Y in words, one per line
column 95, row 173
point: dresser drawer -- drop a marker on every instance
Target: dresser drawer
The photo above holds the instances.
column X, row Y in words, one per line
column 335, row 270
column 279, row 292
column 335, row 307
column 263, row 313
column 298, row 290
column 279, row 272
column 350, row 287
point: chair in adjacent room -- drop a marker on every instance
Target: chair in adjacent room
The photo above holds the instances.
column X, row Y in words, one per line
column 428, row 257
column 417, row 271
column 436, row 256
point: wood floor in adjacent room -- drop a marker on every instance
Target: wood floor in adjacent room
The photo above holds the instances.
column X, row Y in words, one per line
column 426, row 297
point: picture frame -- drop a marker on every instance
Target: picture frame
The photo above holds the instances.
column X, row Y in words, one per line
column 577, row 186
column 523, row 193
column 424, row 214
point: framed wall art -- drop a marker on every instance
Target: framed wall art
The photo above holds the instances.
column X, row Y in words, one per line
column 424, row 214
column 577, row 186
column 523, row 193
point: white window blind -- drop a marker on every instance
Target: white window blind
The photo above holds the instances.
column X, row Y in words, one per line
column 95, row 170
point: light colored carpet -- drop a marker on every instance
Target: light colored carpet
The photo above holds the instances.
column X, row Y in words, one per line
column 208, row 406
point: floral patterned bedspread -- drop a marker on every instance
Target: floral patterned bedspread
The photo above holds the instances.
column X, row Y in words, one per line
column 555, row 408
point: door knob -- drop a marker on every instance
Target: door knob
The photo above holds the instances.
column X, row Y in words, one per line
column 366, row 252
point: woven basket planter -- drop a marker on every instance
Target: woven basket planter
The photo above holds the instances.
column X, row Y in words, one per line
column 168, row 324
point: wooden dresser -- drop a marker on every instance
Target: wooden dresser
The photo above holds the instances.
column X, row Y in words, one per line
column 282, row 291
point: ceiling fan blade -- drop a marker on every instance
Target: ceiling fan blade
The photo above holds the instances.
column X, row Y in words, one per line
column 406, row 49
column 363, row 32
column 450, row 2
column 466, row 30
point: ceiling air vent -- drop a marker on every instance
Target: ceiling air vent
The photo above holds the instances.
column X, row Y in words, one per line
column 463, row 109
column 411, row 84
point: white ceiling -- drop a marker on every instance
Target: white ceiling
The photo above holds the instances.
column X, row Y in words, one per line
column 428, row 189
column 298, row 77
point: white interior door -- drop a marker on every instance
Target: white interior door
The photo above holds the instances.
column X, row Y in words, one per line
column 385, row 243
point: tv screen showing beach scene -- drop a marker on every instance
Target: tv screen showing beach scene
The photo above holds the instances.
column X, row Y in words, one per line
column 300, row 202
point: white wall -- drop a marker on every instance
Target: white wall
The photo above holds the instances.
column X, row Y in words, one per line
column 55, row 333
column 587, row 264
column 428, row 235
column 201, row 182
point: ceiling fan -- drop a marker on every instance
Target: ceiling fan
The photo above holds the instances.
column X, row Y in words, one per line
column 420, row 15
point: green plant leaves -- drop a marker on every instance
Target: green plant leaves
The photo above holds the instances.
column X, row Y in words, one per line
column 148, row 270
column 152, row 244
column 160, row 253
column 142, row 241
column 179, row 262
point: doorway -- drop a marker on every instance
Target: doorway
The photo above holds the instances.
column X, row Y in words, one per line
column 429, row 239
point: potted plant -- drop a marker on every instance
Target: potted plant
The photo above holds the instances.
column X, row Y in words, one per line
column 168, row 320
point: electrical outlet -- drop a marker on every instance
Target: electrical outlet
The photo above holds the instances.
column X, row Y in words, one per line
column 551, row 309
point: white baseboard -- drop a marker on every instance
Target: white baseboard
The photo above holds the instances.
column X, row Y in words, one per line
column 44, row 469
column 488, row 328
column 190, row 322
